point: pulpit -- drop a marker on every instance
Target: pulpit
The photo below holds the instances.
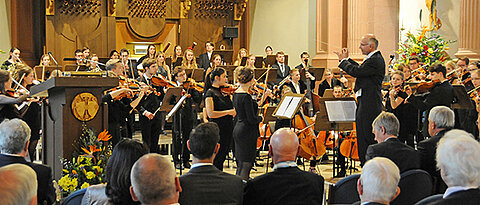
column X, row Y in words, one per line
column 72, row 101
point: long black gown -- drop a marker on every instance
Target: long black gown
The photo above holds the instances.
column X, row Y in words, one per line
column 221, row 102
column 245, row 132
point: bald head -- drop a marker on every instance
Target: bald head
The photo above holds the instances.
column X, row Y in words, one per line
column 19, row 184
column 369, row 43
column 284, row 145
column 153, row 179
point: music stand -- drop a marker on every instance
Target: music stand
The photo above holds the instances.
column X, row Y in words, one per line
column 74, row 67
column 462, row 99
column 316, row 72
column 272, row 74
column 168, row 61
column 328, row 93
column 171, row 97
column 340, row 113
column 197, row 74
column 230, row 71
column 178, row 118
column 267, row 118
column 42, row 71
column 258, row 61
column 271, row 60
column 289, row 106
column 227, row 55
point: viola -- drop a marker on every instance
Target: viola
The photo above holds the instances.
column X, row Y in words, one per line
column 310, row 145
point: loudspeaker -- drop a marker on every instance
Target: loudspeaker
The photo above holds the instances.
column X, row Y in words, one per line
column 230, row 32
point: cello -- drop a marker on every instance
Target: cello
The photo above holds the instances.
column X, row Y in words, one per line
column 310, row 145
column 349, row 146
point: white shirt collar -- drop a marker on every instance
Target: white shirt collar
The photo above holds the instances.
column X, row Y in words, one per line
column 284, row 164
column 371, row 54
column 453, row 189
column 199, row 165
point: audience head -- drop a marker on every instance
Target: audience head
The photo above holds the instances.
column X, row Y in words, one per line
column 440, row 118
column 379, row 181
column 124, row 155
column 368, row 44
column 14, row 137
column 203, row 142
column 386, row 125
column 283, row 145
column 438, row 72
column 154, row 180
column 457, row 159
column 18, row 185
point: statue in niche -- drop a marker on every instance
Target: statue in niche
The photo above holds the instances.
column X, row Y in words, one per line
column 185, row 7
column 434, row 22
column 50, row 7
column 240, row 10
column 112, row 7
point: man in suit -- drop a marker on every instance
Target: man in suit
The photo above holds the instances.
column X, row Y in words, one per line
column 440, row 120
column 129, row 66
column 441, row 94
column 378, row 183
column 283, row 69
column 287, row 184
column 369, row 76
column 457, row 158
column 150, row 121
column 14, row 140
column 386, row 127
column 154, row 180
column 204, row 183
column 205, row 58
column 19, row 184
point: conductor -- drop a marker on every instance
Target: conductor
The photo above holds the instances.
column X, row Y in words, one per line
column 368, row 83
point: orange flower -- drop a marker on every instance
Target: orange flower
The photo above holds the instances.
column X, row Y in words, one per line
column 93, row 149
column 423, row 33
column 104, row 136
column 74, row 172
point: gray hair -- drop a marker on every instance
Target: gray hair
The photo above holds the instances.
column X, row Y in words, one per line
column 442, row 116
column 110, row 65
column 379, row 178
column 153, row 178
column 457, row 158
column 388, row 121
column 14, row 135
column 19, row 184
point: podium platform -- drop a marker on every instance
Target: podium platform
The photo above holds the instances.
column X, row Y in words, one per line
column 60, row 123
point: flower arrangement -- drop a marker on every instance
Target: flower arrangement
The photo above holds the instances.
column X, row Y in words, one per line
column 429, row 47
column 86, row 167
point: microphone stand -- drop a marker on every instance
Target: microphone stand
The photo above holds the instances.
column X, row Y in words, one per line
column 98, row 63
column 55, row 61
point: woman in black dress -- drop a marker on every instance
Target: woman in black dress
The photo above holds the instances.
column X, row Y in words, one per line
column 220, row 110
column 246, row 130
column 7, row 103
column 405, row 112
column 329, row 82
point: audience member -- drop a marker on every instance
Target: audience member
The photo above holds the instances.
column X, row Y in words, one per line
column 440, row 120
column 154, row 181
column 457, row 159
column 386, row 127
column 117, row 189
column 287, row 184
column 14, row 140
column 19, row 185
column 204, row 183
column 378, row 183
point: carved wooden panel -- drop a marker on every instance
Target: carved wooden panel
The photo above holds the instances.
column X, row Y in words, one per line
column 85, row 7
column 214, row 8
column 147, row 8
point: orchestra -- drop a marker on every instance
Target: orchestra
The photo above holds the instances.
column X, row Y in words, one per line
column 223, row 103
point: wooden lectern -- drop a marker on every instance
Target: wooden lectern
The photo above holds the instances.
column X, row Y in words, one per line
column 60, row 126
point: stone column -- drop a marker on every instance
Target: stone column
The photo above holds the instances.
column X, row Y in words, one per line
column 469, row 41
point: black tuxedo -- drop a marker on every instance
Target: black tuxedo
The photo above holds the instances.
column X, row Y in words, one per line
column 208, row 185
column 404, row 156
column 441, row 94
column 280, row 75
column 428, row 150
column 204, row 61
column 118, row 112
column 285, row 186
column 45, row 190
column 467, row 197
column 369, row 76
column 324, row 85
column 150, row 128
column 301, row 85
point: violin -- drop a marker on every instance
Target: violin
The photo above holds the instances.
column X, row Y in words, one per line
column 159, row 80
column 426, row 86
column 228, row 89
column 191, row 84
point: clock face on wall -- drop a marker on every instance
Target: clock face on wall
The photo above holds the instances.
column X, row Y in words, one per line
column 85, row 106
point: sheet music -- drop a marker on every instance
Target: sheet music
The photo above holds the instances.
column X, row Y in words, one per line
column 283, row 106
column 341, row 111
column 291, row 109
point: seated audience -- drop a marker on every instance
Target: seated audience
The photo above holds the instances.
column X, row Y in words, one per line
column 14, row 141
column 287, row 184
column 117, row 189
column 457, row 159
column 19, row 184
column 386, row 127
column 154, row 181
column 378, row 183
column 440, row 120
column 204, row 183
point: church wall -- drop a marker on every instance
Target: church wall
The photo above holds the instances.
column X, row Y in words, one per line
column 5, row 40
